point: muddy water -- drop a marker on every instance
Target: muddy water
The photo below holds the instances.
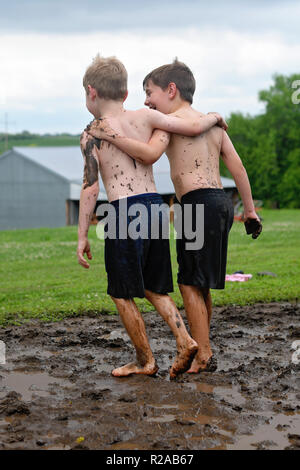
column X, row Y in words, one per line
column 56, row 391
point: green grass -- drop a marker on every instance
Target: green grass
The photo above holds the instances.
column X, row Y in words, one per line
column 40, row 276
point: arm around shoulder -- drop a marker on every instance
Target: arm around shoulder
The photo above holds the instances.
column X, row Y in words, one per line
column 144, row 152
column 185, row 126
column 148, row 153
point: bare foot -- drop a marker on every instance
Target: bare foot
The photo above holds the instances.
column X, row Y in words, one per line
column 134, row 368
column 208, row 365
column 184, row 359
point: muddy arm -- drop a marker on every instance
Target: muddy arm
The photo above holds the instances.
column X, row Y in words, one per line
column 184, row 126
column 88, row 196
column 238, row 171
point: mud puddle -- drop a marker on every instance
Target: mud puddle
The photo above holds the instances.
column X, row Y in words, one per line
column 56, row 390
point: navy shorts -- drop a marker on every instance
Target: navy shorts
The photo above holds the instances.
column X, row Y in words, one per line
column 133, row 265
column 206, row 267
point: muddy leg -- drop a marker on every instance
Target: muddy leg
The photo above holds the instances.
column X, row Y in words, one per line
column 208, row 303
column 135, row 327
column 186, row 346
column 198, row 318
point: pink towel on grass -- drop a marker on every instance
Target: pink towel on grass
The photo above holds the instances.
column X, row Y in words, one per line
column 238, row 277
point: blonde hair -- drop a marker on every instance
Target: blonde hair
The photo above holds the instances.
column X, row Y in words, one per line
column 108, row 76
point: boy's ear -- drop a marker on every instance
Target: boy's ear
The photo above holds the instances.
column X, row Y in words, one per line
column 125, row 96
column 172, row 90
column 92, row 92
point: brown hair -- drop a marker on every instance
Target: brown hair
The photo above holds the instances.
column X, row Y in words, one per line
column 178, row 73
column 108, row 76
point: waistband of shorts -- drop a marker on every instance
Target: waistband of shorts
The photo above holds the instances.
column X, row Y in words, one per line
column 216, row 192
column 143, row 197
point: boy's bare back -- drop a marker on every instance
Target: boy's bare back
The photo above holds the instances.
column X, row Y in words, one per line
column 194, row 161
column 123, row 176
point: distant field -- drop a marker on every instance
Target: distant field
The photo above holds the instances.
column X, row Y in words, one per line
column 38, row 141
column 40, row 277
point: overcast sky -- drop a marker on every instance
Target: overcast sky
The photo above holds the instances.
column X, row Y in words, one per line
column 233, row 47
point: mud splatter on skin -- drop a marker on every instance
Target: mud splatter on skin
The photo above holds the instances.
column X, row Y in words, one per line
column 91, row 166
column 197, row 164
column 142, row 357
column 129, row 187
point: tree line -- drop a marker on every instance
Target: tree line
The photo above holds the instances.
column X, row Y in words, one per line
column 269, row 144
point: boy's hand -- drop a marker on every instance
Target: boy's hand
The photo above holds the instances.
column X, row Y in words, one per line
column 100, row 128
column 221, row 121
column 253, row 225
column 83, row 247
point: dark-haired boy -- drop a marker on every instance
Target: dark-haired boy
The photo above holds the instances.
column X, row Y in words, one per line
column 194, row 164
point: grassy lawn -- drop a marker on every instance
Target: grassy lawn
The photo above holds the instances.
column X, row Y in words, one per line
column 40, row 276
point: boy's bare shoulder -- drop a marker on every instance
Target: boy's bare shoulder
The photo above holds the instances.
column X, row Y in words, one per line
column 188, row 112
column 142, row 112
column 142, row 115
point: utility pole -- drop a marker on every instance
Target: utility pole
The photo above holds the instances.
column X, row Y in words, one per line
column 6, row 124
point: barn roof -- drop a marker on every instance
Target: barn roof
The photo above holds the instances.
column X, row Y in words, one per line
column 67, row 162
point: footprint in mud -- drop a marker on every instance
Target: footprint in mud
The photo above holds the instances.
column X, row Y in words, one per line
column 28, row 384
column 114, row 339
column 12, row 404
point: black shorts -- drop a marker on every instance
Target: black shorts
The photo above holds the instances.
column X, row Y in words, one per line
column 206, row 267
column 133, row 265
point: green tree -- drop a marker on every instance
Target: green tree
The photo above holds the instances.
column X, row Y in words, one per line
column 283, row 116
column 289, row 187
column 269, row 144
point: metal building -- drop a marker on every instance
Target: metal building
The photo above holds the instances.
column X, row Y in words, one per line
column 40, row 186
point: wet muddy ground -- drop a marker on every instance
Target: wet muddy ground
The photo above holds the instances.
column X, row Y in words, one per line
column 56, row 390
